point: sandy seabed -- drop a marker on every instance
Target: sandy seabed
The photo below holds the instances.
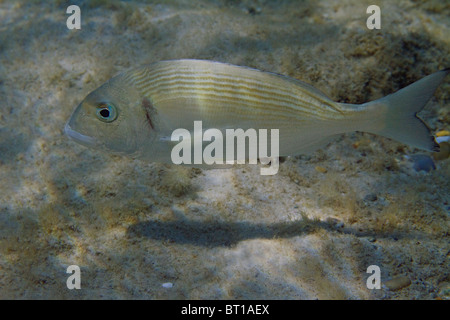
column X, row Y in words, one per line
column 309, row 232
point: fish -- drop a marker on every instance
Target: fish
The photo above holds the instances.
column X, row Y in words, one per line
column 136, row 112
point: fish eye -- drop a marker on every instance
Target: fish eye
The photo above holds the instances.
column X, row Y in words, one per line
column 106, row 112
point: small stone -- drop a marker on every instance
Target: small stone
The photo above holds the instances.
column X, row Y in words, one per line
column 422, row 162
column 321, row 169
column 371, row 197
column 340, row 225
column 334, row 222
column 167, row 285
column 361, row 143
column 253, row 11
column 397, row 283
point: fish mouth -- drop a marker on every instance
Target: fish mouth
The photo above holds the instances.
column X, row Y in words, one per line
column 78, row 137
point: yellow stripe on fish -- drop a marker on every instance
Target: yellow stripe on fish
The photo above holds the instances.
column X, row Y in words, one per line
column 224, row 86
column 150, row 102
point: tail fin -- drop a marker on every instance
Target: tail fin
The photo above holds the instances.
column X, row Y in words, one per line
column 400, row 120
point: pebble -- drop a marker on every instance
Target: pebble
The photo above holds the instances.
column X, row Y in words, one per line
column 398, row 283
column 371, row 197
column 167, row 285
column 422, row 162
column 340, row 225
column 334, row 222
column 361, row 143
column 321, row 169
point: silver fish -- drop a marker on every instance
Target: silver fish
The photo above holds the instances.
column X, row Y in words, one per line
column 135, row 112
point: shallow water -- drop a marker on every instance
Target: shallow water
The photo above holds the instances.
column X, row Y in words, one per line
column 311, row 231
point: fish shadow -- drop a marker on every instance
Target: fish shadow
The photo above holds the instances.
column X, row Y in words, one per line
column 227, row 234
column 212, row 234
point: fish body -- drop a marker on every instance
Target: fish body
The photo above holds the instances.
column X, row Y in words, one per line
column 136, row 112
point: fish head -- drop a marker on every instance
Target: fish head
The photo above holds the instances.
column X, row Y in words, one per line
column 108, row 119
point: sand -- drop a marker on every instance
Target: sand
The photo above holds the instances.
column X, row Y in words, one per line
column 309, row 232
